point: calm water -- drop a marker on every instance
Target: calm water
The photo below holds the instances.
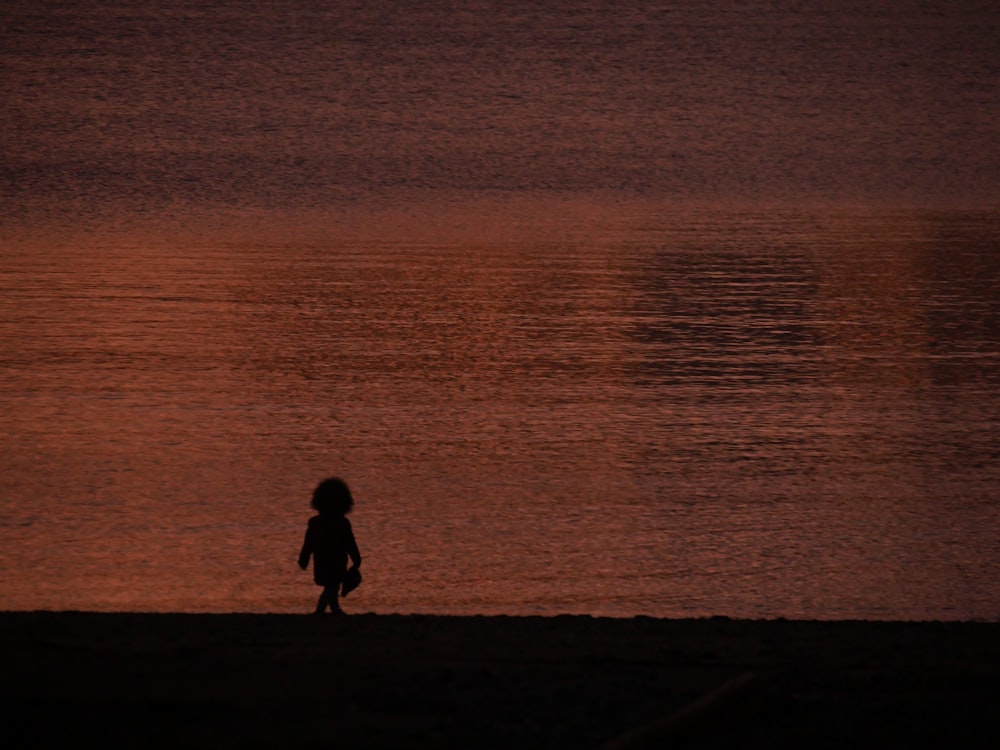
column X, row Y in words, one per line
column 656, row 310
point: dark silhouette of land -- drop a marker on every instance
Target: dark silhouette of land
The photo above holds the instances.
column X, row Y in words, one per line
column 370, row 681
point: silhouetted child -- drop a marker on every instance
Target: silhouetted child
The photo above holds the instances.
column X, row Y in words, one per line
column 330, row 541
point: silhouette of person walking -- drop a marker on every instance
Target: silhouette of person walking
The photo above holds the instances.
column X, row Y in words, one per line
column 330, row 541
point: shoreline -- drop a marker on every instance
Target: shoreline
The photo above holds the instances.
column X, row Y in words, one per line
column 269, row 680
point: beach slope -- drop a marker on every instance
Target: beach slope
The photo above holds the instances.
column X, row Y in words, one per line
column 382, row 681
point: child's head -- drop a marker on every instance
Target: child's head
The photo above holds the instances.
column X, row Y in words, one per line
column 332, row 496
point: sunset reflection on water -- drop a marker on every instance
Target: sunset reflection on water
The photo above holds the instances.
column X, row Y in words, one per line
column 654, row 409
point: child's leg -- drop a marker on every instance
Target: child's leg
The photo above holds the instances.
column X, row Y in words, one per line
column 328, row 599
column 331, row 592
column 321, row 603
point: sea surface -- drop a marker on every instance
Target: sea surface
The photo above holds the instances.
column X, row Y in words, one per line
column 669, row 309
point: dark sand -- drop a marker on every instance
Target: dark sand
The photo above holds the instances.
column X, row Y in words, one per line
column 178, row 681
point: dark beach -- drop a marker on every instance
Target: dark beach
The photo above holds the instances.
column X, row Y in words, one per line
column 155, row 680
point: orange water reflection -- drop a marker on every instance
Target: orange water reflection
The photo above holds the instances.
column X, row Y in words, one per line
column 656, row 410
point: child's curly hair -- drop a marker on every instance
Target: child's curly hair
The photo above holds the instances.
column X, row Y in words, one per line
column 332, row 496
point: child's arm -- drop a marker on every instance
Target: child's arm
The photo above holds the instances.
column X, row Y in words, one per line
column 306, row 552
column 352, row 547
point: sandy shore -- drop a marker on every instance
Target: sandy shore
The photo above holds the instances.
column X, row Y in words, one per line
column 373, row 681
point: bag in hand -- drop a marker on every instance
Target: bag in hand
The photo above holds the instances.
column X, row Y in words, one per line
column 352, row 579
